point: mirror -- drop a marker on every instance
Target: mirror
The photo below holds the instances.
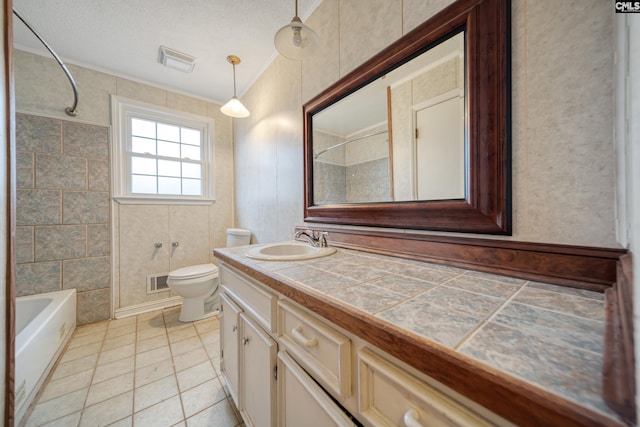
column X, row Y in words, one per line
column 365, row 163
column 399, row 138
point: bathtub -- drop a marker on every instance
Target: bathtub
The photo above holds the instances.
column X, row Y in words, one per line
column 44, row 324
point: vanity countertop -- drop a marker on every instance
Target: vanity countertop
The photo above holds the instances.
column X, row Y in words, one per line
column 539, row 334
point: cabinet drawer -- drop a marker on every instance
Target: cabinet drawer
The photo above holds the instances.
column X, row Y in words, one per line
column 253, row 297
column 323, row 351
column 390, row 396
column 301, row 402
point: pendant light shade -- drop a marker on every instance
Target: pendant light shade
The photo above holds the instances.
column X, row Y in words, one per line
column 295, row 40
column 234, row 107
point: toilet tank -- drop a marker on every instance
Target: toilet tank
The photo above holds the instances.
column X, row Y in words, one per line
column 238, row 237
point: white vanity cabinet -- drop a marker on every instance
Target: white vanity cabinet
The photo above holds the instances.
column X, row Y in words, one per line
column 287, row 366
column 229, row 348
column 267, row 389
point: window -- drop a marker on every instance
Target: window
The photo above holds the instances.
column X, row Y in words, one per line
column 161, row 154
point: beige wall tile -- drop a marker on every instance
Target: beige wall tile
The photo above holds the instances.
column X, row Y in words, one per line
column 189, row 226
column 85, row 207
column 415, row 12
column 86, row 274
column 39, row 277
column 40, row 134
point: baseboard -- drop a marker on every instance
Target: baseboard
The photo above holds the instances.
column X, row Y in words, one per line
column 145, row 307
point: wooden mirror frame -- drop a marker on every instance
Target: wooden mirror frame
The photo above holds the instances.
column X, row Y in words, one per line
column 487, row 206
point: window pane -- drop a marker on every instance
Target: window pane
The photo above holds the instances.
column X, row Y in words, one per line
column 168, row 168
column 191, row 170
column 191, row 187
column 141, row 127
column 168, row 132
column 168, row 149
column 143, row 145
column 190, row 136
column 143, row 166
column 190, row 152
column 168, row 185
column 143, row 184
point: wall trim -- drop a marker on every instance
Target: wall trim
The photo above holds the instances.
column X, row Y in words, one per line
column 145, row 307
column 618, row 365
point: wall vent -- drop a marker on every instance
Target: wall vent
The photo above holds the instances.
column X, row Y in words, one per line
column 157, row 283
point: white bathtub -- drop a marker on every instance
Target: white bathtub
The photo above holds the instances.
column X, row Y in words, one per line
column 44, row 324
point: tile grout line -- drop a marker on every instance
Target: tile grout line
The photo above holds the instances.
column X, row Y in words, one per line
column 482, row 324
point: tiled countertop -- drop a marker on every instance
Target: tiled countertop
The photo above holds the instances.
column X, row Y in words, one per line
column 550, row 336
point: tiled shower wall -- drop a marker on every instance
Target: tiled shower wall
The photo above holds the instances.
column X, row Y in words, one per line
column 63, row 212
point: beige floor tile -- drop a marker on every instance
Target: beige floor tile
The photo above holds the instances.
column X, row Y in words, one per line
column 107, row 389
column 118, row 332
column 116, row 354
column 154, row 372
column 66, row 385
column 182, row 334
column 80, row 340
column 125, row 422
column 56, row 408
column 195, row 375
column 113, row 369
column 152, row 356
column 150, row 332
column 74, row 366
column 125, row 321
column 164, row 414
column 190, row 344
column 119, row 341
column 71, row 420
column 108, row 411
column 208, row 325
column 151, row 343
column 155, row 392
column 219, row 415
column 200, row 397
column 80, row 352
column 187, row 360
column 91, row 329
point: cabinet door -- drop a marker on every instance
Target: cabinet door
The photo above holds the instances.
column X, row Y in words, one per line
column 257, row 374
column 229, row 342
column 301, row 402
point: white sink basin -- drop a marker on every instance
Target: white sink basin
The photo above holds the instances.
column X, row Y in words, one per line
column 288, row 251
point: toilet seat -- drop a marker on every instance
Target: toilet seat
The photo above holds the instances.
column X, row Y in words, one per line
column 193, row 272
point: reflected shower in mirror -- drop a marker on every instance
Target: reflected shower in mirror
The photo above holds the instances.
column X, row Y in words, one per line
column 399, row 138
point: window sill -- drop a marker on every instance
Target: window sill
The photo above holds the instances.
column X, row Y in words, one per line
column 158, row 200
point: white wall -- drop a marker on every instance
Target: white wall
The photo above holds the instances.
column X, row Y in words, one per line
column 562, row 121
column 42, row 89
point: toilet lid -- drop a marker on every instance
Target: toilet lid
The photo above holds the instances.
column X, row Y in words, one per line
column 193, row 271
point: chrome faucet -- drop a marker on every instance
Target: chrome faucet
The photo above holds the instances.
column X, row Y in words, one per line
column 315, row 238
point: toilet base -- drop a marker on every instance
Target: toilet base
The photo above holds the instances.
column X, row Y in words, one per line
column 192, row 309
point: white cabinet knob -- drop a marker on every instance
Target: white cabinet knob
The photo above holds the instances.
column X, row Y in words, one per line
column 411, row 418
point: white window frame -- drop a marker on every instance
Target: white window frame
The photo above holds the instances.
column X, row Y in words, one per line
column 122, row 109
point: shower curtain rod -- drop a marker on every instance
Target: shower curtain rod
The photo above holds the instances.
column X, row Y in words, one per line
column 71, row 111
column 315, row 156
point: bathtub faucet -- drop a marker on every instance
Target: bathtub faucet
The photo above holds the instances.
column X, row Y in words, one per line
column 315, row 238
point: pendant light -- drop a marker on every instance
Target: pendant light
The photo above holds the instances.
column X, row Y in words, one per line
column 295, row 40
column 234, row 107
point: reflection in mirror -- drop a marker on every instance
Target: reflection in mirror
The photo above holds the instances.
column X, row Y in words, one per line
column 399, row 138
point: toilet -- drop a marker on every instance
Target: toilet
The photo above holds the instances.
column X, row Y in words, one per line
column 198, row 284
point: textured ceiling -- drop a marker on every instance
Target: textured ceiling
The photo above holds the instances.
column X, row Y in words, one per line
column 122, row 37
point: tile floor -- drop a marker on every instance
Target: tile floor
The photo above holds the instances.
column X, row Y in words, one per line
column 146, row 370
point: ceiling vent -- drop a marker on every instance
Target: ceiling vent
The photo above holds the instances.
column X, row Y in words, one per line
column 176, row 60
